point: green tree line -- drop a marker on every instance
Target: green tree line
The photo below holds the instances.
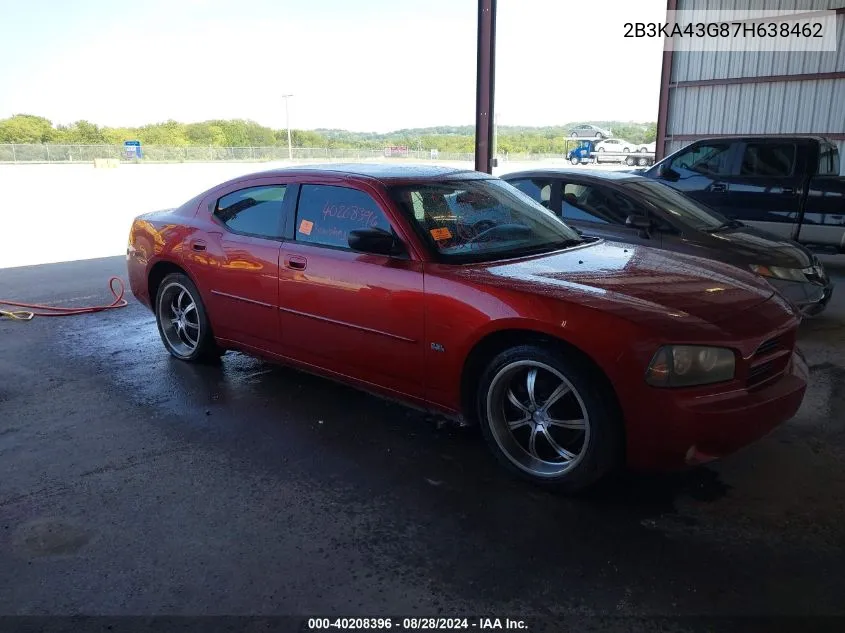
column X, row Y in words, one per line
column 27, row 128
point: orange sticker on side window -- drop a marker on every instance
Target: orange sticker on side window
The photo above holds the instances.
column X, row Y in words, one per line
column 441, row 234
column 305, row 227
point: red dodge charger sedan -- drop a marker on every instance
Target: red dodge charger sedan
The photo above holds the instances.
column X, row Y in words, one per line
column 455, row 292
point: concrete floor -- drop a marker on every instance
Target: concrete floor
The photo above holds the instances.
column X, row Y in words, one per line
column 131, row 483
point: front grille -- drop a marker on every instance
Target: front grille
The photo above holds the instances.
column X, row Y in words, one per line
column 770, row 359
column 767, row 347
column 759, row 372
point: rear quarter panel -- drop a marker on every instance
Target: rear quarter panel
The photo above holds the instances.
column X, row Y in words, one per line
column 154, row 237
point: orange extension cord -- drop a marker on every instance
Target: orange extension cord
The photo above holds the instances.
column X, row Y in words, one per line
column 33, row 309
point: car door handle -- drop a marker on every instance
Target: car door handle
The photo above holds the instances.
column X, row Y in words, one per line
column 296, row 262
column 198, row 245
column 788, row 191
column 718, row 186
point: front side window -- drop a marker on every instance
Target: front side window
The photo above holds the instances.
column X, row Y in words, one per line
column 253, row 211
column 588, row 203
column 481, row 219
column 768, row 160
column 676, row 205
column 326, row 214
column 709, row 159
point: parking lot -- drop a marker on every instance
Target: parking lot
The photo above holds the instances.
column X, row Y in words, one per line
column 133, row 483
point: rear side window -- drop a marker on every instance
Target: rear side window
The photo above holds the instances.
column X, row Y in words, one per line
column 539, row 189
column 708, row 159
column 828, row 160
column 327, row 213
column 769, row 160
column 254, row 211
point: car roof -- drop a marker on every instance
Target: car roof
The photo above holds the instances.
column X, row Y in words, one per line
column 763, row 137
column 383, row 172
column 579, row 172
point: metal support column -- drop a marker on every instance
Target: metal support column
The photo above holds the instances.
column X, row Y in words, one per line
column 485, row 85
column 663, row 103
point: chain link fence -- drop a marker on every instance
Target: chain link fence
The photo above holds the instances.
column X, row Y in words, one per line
column 49, row 153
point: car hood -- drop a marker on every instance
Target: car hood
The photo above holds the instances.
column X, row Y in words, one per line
column 746, row 245
column 634, row 280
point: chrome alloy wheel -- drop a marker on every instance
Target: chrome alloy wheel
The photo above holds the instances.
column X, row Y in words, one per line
column 538, row 418
column 179, row 318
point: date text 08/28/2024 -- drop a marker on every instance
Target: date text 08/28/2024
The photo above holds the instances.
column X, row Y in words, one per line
column 417, row 624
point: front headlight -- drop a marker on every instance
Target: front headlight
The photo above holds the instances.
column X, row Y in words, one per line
column 776, row 272
column 690, row 365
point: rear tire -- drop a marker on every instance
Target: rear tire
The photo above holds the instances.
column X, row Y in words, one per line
column 550, row 418
column 183, row 322
column 629, row 160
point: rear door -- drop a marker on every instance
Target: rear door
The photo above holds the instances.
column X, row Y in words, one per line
column 766, row 184
column 236, row 261
column 356, row 314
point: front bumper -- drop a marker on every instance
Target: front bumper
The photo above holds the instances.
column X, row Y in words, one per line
column 809, row 297
column 679, row 428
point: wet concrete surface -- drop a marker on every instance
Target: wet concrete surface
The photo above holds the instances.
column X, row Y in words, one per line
column 135, row 484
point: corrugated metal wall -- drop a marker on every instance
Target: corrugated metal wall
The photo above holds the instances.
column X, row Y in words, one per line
column 778, row 107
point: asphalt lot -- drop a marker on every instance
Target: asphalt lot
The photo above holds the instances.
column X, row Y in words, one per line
column 131, row 483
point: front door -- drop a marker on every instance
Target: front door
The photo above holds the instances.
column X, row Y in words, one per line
column 352, row 313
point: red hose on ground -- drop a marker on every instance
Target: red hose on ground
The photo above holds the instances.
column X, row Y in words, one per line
column 35, row 309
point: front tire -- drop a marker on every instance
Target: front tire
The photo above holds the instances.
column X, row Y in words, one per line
column 549, row 418
column 183, row 322
column 575, row 160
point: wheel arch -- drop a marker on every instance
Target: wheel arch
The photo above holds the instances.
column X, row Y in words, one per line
column 495, row 342
column 158, row 272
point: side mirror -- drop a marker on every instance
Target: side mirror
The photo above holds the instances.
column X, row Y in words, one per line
column 374, row 241
column 666, row 172
column 640, row 222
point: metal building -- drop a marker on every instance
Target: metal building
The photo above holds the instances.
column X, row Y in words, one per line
column 738, row 93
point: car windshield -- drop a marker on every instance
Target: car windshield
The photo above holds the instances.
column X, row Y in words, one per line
column 678, row 206
column 472, row 220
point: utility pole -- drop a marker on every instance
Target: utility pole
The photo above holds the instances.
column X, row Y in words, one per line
column 287, row 123
column 485, row 85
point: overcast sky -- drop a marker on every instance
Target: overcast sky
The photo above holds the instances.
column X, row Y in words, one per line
column 365, row 65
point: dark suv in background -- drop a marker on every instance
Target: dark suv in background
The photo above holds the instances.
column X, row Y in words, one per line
column 788, row 185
